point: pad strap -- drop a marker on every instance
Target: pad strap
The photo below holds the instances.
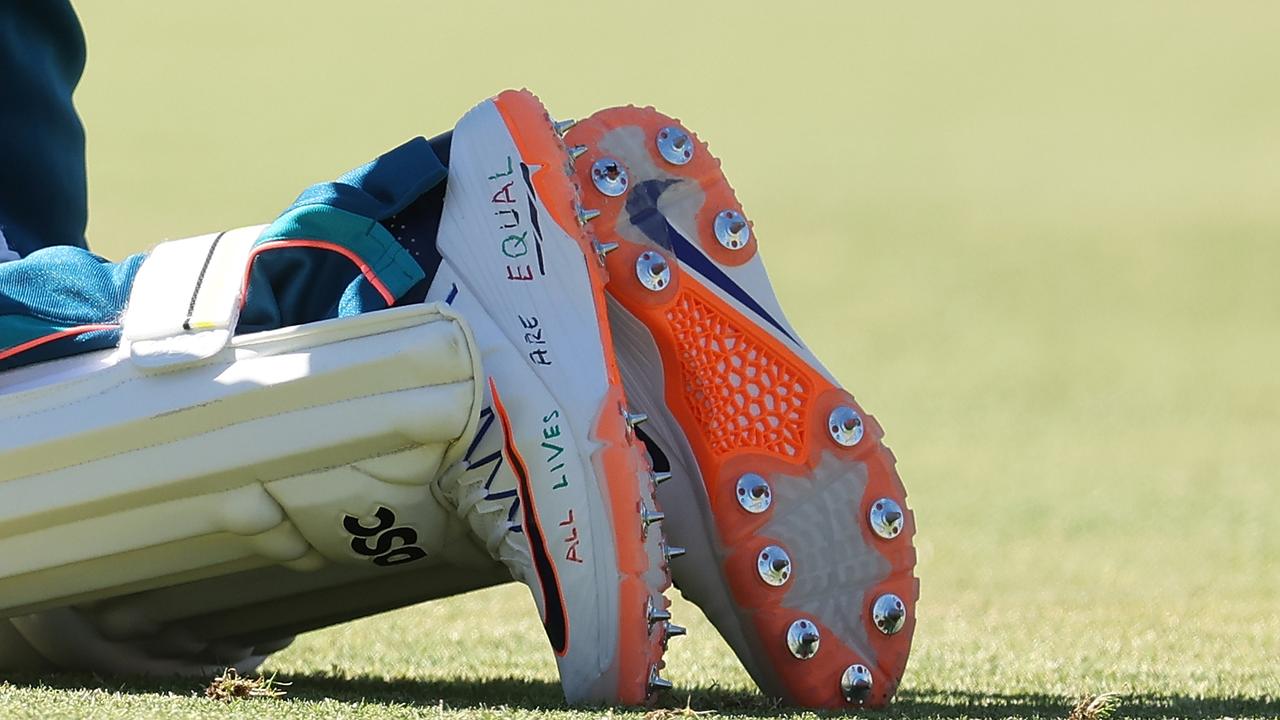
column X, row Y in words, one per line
column 187, row 297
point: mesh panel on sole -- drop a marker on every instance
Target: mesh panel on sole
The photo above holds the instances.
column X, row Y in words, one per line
column 742, row 394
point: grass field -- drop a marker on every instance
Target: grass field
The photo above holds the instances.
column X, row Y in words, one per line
column 1041, row 243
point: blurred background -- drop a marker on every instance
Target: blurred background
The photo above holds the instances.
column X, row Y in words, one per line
column 1039, row 242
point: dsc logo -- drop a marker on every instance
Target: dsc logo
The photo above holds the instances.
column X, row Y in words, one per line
column 384, row 550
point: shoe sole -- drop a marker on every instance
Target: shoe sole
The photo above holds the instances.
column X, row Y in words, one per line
column 776, row 426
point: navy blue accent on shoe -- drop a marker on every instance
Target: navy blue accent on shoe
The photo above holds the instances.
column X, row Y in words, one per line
column 486, row 420
column 533, row 218
column 642, row 211
column 494, row 457
column 556, row 620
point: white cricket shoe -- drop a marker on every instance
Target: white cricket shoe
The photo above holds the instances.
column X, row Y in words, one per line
column 556, row 484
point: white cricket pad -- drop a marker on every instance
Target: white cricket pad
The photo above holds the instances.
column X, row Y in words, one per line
column 190, row 452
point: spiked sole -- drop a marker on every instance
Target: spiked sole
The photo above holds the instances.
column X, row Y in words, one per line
column 642, row 570
column 785, row 455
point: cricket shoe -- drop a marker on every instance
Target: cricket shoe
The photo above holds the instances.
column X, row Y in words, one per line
column 556, row 483
column 798, row 534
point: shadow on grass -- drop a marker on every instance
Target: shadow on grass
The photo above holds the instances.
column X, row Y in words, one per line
column 950, row 703
column 542, row 695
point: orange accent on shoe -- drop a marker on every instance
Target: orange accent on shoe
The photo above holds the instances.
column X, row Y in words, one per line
column 742, row 393
column 640, row 647
column 748, row 402
column 617, row 461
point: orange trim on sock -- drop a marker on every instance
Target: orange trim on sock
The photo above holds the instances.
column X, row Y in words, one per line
column 365, row 270
column 45, row 339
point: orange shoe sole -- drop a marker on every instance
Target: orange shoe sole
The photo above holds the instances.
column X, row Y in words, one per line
column 749, row 402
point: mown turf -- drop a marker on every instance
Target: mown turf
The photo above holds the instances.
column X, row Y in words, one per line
column 1039, row 242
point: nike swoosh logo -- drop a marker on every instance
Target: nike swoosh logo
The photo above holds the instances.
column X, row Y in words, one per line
column 642, row 211
column 556, row 619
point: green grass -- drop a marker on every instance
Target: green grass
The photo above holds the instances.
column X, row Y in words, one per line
column 1039, row 242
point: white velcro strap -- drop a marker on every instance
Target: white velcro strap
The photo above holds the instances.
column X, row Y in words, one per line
column 186, row 298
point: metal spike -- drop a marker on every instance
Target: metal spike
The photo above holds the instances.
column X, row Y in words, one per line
column 634, row 419
column 673, row 145
column 577, row 151
column 656, row 615
column 563, row 126
column 673, row 551
column 650, row 610
column 661, row 477
column 889, row 613
column 886, row 518
column 845, row 425
column 754, row 494
column 803, row 639
column 603, row 249
column 855, row 683
column 586, row 216
column 609, row 177
column 653, row 271
column 774, row 565
column 657, row 682
column 731, row 230
column 649, row 517
column 671, row 630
